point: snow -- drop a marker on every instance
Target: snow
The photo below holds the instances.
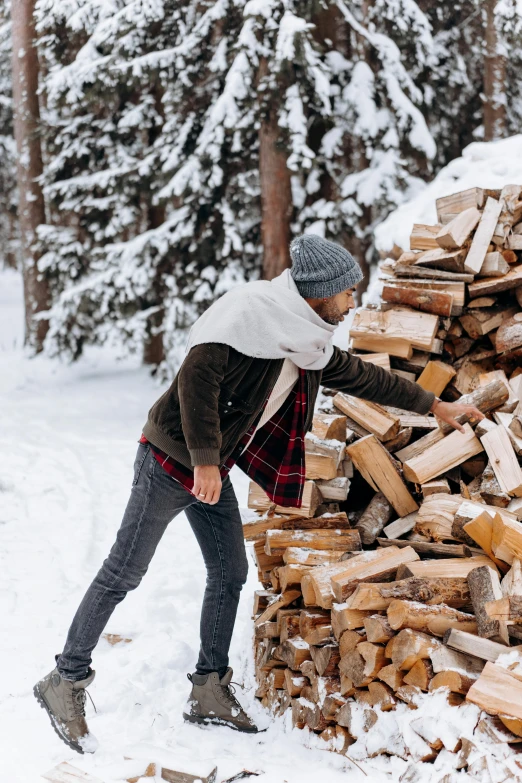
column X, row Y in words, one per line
column 482, row 164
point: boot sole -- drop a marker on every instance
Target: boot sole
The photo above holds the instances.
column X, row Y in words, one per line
column 43, row 704
column 204, row 721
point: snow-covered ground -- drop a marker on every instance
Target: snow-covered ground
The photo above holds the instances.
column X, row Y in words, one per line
column 67, row 442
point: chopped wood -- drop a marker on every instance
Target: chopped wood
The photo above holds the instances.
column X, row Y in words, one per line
column 423, row 237
column 376, row 466
column 503, row 461
column 508, row 609
column 384, row 563
column 401, row 526
column 310, row 557
column 436, row 487
column 483, row 235
column 293, row 652
column 475, row 645
column 420, row 675
column 334, row 489
column 373, row 417
column 381, row 359
column 444, row 568
column 478, row 322
column 436, row 515
column 434, row 619
column 392, row 676
column 497, row 692
column 288, row 597
column 436, row 376
column 390, row 329
column 259, row 500
column 326, row 658
column 427, row 547
column 422, row 299
column 378, row 628
column 411, row 646
column 431, row 591
column 332, row 540
column 328, row 426
column 494, row 265
column 494, row 285
column 374, row 518
column 67, row 773
column 426, row 272
column 443, row 455
column 458, row 202
column 345, row 619
column 455, row 233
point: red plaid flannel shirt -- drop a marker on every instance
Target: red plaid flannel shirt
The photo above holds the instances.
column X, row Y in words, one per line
column 275, row 458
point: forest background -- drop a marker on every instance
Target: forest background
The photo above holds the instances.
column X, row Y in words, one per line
column 155, row 153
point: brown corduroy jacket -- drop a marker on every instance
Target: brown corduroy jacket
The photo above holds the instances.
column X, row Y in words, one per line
column 219, row 392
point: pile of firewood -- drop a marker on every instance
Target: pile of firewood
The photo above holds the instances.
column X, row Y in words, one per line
column 401, row 573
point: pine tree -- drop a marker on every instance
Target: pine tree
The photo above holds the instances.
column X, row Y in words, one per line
column 182, row 137
column 9, row 254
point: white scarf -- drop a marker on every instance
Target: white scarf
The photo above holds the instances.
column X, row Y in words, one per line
column 267, row 320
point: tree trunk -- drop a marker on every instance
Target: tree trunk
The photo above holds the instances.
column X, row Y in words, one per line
column 31, row 211
column 276, row 194
column 494, row 79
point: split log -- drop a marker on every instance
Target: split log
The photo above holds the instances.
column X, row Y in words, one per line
column 450, row 260
column 395, row 331
column 374, row 518
column 363, row 664
column 322, row 457
column 294, row 683
column 490, row 490
column 453, row 568
column 371, row 416
column 291, row 575
column 478, row 322
column 259, row 500
column 378, row 628
column 453, row 591
column 422, row 299
column 494, row 285
column 375, row 464
column 326, row 659
column 278, row 602
column 434, row 619
column 332, row 540
column 442, row 456
column 344, row 619
column 411, row 646
column 420, row 675
column 458, row 202
column 483, row 235
column 512, row 582
column 486, row 399
column 334, row 489
column 423, row 237
column 436, row 376
column 310, row 557
column 503, row 461
column 350, row 717
column 335, row 521
column 401, row 526
column 329, row 426
column 494, row 265
column 293, row 652
column 428, row 548
column 497, row 692
column 475, row 645
column 455, row 233
column 288, row 627
column 507, row 610
column 362, row 568
column 392, row 676
column 444, row 659
column 436, row 515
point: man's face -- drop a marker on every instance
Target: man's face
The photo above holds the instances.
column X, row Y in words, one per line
column 336, row 307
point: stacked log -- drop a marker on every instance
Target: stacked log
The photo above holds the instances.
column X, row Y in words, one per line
column 421, row 589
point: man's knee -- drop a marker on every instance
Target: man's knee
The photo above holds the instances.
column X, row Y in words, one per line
column 120, row 581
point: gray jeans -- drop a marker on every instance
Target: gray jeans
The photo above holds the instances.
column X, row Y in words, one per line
column 156, row 498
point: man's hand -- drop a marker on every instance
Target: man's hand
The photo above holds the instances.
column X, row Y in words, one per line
column 207, row 483
column 448, row 412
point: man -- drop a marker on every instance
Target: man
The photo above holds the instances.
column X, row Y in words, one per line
column 243, row 395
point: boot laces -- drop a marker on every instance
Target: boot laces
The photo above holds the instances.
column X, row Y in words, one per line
column 228, row 692
column 78, row 702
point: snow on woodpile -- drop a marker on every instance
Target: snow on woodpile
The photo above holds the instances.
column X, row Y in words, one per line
column 485, row 164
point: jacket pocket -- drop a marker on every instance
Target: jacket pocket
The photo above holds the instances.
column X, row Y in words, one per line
column 230, row 402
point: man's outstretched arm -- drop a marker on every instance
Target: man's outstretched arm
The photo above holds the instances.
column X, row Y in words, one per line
column 347, row 373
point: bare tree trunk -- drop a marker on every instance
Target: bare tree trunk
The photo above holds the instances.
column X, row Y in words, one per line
column 153, row 349
column 494, row 79
column 276, row 195
column 31, row 210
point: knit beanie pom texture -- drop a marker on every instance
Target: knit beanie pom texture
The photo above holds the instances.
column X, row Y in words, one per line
column 321, row 268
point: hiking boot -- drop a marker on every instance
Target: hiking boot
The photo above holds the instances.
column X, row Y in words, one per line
column 64, row 701
column 212, row 701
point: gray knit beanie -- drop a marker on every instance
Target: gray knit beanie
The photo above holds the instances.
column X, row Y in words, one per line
column 321, row 268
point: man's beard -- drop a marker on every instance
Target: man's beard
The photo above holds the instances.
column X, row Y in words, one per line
column 330, row 313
